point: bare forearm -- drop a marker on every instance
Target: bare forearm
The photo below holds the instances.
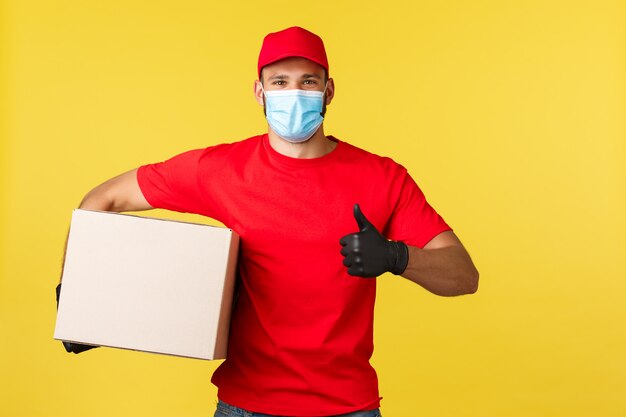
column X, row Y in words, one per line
column 446, row 271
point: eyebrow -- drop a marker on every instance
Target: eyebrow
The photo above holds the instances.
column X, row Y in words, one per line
column 278, row 77
column 285, row 76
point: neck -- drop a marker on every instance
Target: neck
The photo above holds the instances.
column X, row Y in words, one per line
column 318, row 145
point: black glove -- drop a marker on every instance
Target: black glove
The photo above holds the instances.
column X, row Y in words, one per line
column 368, row 254
column 69, row 346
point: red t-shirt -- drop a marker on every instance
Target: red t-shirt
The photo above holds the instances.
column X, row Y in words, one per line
column 302, row 331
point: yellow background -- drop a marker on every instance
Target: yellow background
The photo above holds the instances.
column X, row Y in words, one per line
column 509, row 114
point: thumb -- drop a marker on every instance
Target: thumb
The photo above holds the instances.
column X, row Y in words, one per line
column 361, row 220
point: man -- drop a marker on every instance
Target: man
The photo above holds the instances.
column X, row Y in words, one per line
column 319, row 219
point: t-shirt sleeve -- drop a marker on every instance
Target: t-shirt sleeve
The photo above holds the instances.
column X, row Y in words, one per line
column 413, row 220
column 172, row 184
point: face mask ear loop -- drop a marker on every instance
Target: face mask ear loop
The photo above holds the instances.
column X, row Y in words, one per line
column 323, row 112
column 264, row 98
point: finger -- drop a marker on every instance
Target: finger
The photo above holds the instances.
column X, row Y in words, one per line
column 356, row 270
column 361, row 220
column 350, row 242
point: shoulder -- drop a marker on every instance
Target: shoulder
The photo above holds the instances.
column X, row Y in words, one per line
column 232, row 149
column 362, row 158
column 223, row 153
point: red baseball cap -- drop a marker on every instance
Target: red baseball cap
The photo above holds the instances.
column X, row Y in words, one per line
column 293, row 41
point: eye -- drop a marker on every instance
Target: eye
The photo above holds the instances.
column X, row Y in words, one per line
column 310, row 82
column 278, row 82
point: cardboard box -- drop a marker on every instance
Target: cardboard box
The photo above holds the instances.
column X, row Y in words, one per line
column 147, row 284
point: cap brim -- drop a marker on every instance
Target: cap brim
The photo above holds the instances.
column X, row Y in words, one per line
column 285, row 55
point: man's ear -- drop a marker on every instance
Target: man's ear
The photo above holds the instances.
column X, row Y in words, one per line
column 330, row 90
column 258, row 92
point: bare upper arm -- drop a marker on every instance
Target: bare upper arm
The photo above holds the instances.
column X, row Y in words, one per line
column 443, row 240
column 121, row 193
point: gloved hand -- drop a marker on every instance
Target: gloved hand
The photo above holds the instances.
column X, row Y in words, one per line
column 69, row 346
column 367, row 253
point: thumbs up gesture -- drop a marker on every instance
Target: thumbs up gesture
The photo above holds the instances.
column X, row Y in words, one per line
column 368, row 254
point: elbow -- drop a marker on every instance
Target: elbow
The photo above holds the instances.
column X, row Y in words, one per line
column 472, row 281
column 98, row 199
column 466, row 283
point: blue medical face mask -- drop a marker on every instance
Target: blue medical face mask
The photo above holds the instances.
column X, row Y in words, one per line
column 295, row 115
